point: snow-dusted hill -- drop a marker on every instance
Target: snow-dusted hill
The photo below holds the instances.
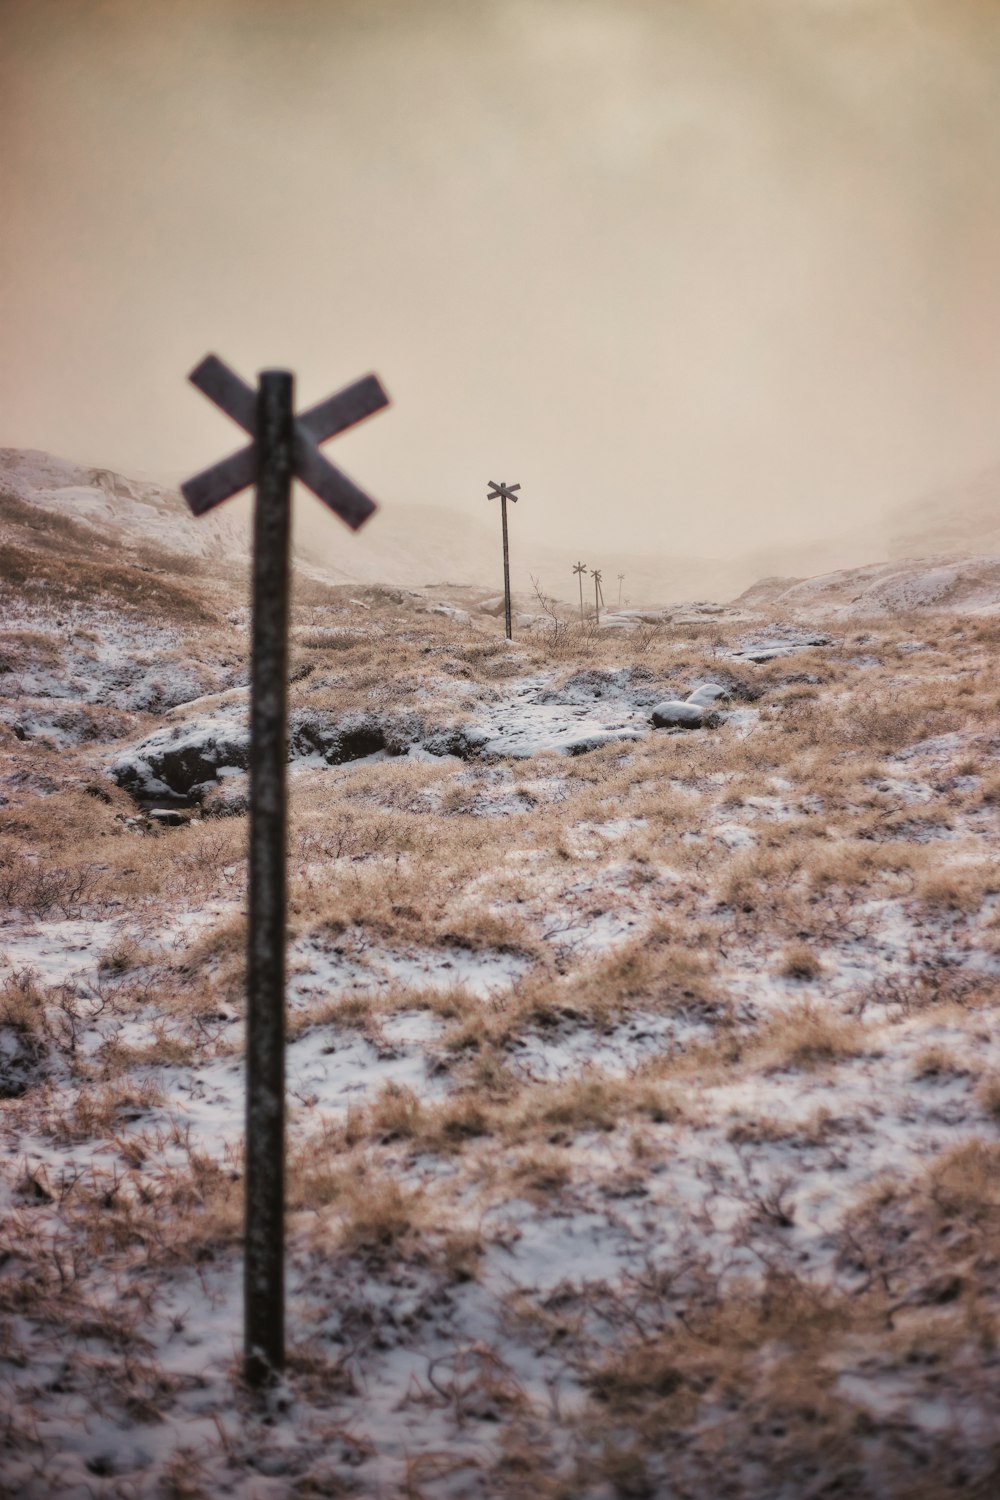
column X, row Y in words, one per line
column 642, row 1050
column 136, row 510
column 941, row 553
column 408, row 546
column 962, row 583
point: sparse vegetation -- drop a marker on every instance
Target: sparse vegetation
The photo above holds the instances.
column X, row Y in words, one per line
column 661, row 1078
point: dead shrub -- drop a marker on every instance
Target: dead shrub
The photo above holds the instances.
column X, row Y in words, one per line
column 104, row 1110
column 24, row 1035
column 30, row 884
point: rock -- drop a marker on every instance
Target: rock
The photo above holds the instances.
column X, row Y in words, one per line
column 627, row 686
column 492, row 606
column 451, row 612
column 227, row 798
column 769, row 650
column 194, row 762
column 707, row 693
column 673, row 714
column 170, row 762
column 167, row 817
column 464, row 741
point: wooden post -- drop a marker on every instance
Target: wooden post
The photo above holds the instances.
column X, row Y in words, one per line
column 264, row 1265
column 506, row 566
column 283, row 444
column 504, row 492
column 598, row 595
column 579, row 569
column 621, row 579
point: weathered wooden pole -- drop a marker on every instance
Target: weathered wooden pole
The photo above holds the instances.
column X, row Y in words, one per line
column 579, row 569
column 621, row 579
column 506, row 566
column 504, row 492
column 284, row 444
column 596, row 575
column 264, row 1264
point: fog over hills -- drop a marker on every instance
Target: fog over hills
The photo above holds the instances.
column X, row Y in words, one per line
column 963, row 517
column 418, row 545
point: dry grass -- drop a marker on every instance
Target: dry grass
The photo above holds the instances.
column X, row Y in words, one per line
column 807, row 1036
column 99, row 1112
column 965, row 1183
column 42, row 576
column 938, row 1062
column 988, row 1095
column 611, row 915
column 800, row 961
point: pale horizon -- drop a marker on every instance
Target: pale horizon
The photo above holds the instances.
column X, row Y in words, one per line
column 703, row 283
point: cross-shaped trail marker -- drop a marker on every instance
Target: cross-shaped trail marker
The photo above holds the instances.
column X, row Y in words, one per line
column 283, row 447
column 579, row 569
column 503, row 493
column 595, row 574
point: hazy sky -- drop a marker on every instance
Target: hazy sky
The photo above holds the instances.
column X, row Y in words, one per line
column 699, row 273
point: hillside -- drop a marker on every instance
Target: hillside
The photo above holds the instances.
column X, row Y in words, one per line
column 643, row 1067
column 413, row 546
column 966, row 584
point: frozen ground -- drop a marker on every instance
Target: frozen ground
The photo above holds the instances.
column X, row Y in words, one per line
column 643, row 1099
column 206, row 741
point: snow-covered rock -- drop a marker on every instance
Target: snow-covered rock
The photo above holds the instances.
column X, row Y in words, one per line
column 784, row 645
column 185, row 761
column 174, row 762
column 707, row 693
column 450, row 611
column 673, row 714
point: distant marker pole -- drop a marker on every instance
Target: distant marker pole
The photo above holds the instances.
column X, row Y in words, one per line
column 595, row 574
column 579, row 569
column 621, row 580
column 283, row 446
column 504, row 492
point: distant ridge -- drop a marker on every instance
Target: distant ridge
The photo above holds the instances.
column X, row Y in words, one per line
column 413, row 546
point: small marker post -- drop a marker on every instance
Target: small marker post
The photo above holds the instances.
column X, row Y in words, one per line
column 579, row 569
column 595, row 574
column 283, row 447
column 504, row 492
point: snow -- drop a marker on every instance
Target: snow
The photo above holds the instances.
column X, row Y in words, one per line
column 672, row 714
column 352, row 964
column 572, row 1052
column 708, row 693
column 535, row 715
column 787, row 643
column 745, row 1167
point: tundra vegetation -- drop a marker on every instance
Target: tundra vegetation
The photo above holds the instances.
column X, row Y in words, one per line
column 644, row 1102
